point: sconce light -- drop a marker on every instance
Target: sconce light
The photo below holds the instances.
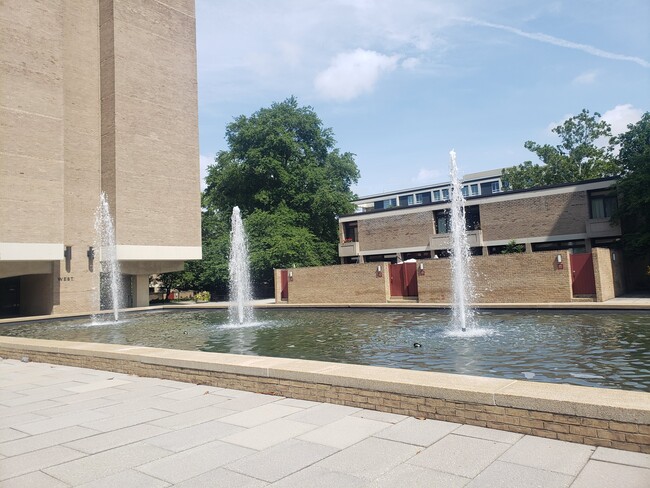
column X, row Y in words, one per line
column 378, row 272
column 613, row 256
column 421, row 269
column 559, row 258
column 290, row 275
column 67, row 253
column 90, row 253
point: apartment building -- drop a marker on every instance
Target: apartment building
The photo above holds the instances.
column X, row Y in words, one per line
column 414, row 224
column 95, row 96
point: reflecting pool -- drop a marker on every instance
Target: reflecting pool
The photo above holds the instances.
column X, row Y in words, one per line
column 596, row 348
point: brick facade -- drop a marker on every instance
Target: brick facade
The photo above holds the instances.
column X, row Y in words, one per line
column 412, row 230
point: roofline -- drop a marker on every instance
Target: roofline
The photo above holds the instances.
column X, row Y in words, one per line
column 493, row 195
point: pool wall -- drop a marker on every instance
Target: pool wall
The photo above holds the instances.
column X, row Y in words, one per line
column 595, row 416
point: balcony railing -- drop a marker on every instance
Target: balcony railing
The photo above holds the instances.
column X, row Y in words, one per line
column 348, row 249
column 439, row 242
column 602, row 228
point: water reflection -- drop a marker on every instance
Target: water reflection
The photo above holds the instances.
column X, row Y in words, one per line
column 610, row 349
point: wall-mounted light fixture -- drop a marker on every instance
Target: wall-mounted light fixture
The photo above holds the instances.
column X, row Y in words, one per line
column 421, row 269
column 559, row 262
column 290, row 275
column 90, row 253
column 559, row 258
column 378, row 273
column 67, row 253
column 613, row 256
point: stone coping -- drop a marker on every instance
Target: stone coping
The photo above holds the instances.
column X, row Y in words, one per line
column 595, row 403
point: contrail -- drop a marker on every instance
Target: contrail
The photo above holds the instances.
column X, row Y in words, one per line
column 538, row 36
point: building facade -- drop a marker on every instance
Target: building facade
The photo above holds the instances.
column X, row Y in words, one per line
column 574, row 217
column 95, row 96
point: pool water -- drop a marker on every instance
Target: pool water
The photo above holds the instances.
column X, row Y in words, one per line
column 602, row 349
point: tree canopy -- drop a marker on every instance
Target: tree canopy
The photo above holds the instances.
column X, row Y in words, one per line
column 586, row 152
column 634, row 185
column 290, row 182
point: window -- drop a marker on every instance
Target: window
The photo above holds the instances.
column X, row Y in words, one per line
column 350, row 231
column 391, row 202
column 463, row 190
column 436, row 195
column 445, row 194
column 472, row 218
column 474, row 190
column 406, row 200
column 574, row 246
column 495, row 187
column 423, row 198
column 602, row 204
column 441, row 218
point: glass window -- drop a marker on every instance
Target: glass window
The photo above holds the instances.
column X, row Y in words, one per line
column 474, row 189
column 423, row 198
column 602, row 204
column 463, row 190
column 441, row 218
column 472, row 218
column 391, row 202
column 445, row 194
column 436, row 195
column 350, row 232
column 495, row 187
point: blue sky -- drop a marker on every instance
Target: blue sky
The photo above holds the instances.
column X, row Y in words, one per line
column 403, row 82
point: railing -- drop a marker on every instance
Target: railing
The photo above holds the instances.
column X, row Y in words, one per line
column 441, row 241
column 602, row 228
column 348, row 249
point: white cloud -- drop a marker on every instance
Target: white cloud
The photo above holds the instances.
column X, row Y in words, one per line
column 410, row 63
column 586, row 78
column 426, row 176
column 351, row 74
column 556, row 41
column 620, row 116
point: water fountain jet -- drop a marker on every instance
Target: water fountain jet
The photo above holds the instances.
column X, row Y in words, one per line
column 110, row 266
column 240, row 309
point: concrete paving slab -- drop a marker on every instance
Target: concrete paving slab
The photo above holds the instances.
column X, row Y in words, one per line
column 598, row 474
column 317, row 477
column 126, row 479
column 410, row 476
column 115, row 438
column 41, row 441
column 97, row 385
column 48, row 424
column 508, row 475
column 259, row 415
column 269, row 434
column 621, row 457
column 190, row 391
column 293, row 402
column 250, row 400
column 418, row 432
column 370, row 458
column 8, row 434
column 488, row 434
column 222, row 477
column 281, row 460
column 549, row 454
column 19, row 419
column 391, row 418
column 344, row 432
column 194, row 462
column 127, row 420
column 36, row 479
column 107, row 463
column 460, row 455
column 36, row 460
column 182, row 439
column 193, row 417
column 323, row 413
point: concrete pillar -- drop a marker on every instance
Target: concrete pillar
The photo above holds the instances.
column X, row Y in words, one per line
column 140, row 290
column 361, row 260
column 529, row 247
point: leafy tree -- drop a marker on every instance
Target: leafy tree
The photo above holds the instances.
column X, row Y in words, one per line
column 290, row 182
column 634, row 185
column 513, row 248
column 579, row 157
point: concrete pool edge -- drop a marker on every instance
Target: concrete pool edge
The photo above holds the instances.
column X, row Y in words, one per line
column 594, row 416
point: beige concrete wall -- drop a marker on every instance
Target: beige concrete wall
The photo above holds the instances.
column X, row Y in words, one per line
column 350, row 283
column 150, row 159
column 559, row 214
column 395, row 231
column 31, row 103
column 502, row 278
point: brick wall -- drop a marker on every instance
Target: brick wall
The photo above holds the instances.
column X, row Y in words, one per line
column 350, row 283
column 503, row 278
column 410, row 230
column 564, row 213
column 608, row 272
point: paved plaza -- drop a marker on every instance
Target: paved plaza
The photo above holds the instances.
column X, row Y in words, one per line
column 62, row 426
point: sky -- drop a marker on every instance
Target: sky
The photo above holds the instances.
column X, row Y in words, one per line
column 403, row 82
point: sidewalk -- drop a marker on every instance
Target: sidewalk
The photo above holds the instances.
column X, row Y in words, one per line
column 62, row 426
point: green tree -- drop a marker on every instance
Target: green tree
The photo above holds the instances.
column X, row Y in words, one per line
column 634, row 187
column 580, row 155
column 513, row 248
column 290, row 181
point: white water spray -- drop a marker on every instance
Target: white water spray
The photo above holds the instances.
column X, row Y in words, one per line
column 463, row 290
column 240, row 309
column 110, row 267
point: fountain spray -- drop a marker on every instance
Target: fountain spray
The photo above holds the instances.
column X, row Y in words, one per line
column 240, row 308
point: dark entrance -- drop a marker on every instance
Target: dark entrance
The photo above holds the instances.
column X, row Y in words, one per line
column 284, row 284
column 582, row 274
column 403, row 280
column 10, row 297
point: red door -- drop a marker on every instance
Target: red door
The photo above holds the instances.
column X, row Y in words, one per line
column 403, row 280
column 284, row 284
column 582, row 274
